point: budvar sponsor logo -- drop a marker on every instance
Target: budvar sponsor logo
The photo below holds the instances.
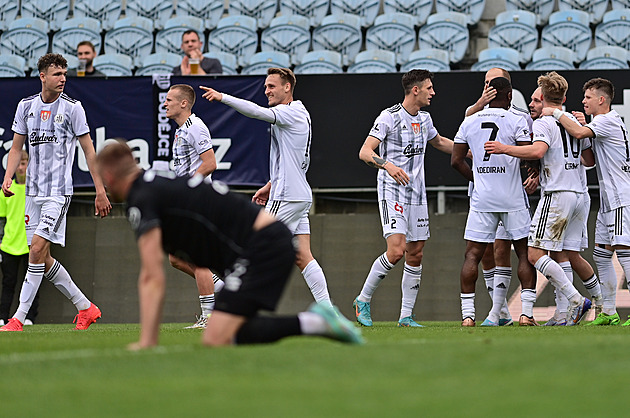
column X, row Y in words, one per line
column 163, row 128
column 410, row 150
column 43, row 138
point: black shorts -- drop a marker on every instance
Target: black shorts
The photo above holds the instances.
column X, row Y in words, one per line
column 257, row 278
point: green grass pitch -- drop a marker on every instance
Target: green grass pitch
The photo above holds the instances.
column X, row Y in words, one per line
column 440, row 370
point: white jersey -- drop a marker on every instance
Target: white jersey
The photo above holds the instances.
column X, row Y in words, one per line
column 497, row 178
column 51, row 131
column 404, row 140
column 191, row 140
column 560, row 168
column 525, row 115
column 290, row 153
column 612, row 155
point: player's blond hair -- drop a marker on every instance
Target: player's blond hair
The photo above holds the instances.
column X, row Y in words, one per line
column 554, row 87
column 185, row 92
column 286, row 75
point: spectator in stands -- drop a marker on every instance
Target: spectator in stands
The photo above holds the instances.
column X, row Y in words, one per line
column 192, row 46
column 87, row 52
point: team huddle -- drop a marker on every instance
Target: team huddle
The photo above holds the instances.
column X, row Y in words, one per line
column 245, row 253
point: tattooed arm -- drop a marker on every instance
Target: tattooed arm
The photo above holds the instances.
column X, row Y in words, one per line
column 371, row 158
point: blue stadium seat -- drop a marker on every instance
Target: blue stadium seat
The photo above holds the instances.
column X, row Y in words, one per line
column 605, row 58
column 159, row 63
column 260, row 61
column 261, row 10
column 341, row 33
column 288, row 34
column 506, row 58
column 315, row 10
column 614, row 29
column 434, row 60
column 76, row 30
column 366, row 9
column 320, row 62
column 393, row 32
column 515, row 29
column 620, row 4
column 228, row 61
column 374, row 61
column 53, row 12
column 8, row 13
column 26, row 37
column 594, row 8
column 131, row 36
column 446, row 31
column 105, row 11
column 552, row 58
column 421, row 9
column 208, row 10
column 541, row 8
column 169, row 39
column 235, row 35
column 12, row 66
column 114, row 65
column 158, row 11
column 473, row 9
column 569, row 29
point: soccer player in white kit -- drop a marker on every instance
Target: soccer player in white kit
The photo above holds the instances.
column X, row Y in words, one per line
column 52, row 122
column 192, row 154
column 609, row 138
column 401, row 133
column 497, row 196
column 287, row 195
column 558, row 223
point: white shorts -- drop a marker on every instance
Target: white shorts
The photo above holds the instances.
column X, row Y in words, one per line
column 560, row 222
column 46, row 217
column 293, row 214
column 407, row 219
column 483, row 226
column 613, row 227
column 503, row 234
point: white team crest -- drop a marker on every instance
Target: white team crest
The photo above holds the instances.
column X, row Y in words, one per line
column 59, row 118
column 44, row 115
column 416, row 128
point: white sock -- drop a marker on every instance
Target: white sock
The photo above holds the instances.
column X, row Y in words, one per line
column 554, row 273
column 316, row 281
column 218, row 283
column 32, row 280
column 624, row 259
column 379, row 270
column 207, row 304
column 410, row 286
column 502, row 278
column 608, row 279
column 562, row 303
column 594, row 288
column 488, row 276
column 468, row 305
column 312, row 324
column 58, row 276
column 528, row 298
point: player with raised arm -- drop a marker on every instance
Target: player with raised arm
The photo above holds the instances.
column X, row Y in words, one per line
column 498, row 195
column 401, row 134
column 52, row 122
column 287, row 195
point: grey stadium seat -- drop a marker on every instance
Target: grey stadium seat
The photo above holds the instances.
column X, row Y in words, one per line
column 434, row 60
column 341, row 33
column 76, row 30
column 235, row 35
column 569, row 29
column 26, row 37
column 515, row 29
column 393, row 32
column 446, row 31
column 320, row 62
column 105, row 11
column 288, row 34
column 131, row 36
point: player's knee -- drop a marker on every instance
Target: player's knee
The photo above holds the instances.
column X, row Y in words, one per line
column 211, row 338
column 395, row 254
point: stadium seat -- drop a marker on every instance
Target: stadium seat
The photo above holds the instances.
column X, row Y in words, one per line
column 366, row 9
column 8, row 13
column 131, row 36
column 261, row 10
column 620, row 4
column 320, row 62
column 105, row 11
column 594, row 8
column 341, row 33
column 158, row 11
column 26, row 37
column 506, row 58
column 315, row 10
column 552, row 58
column 12, row 66
column 434, row 60
column 421, row 9
column 235, row 35
column 515, row 29
column 159, row 63
column 53, row 12
column 228, row 61
column 114, row 65
column 288, row 34
column 605, row 58
column 393, row 32
column 374, row 61
column 541, row 8
column 169, row 39
column 473, row 9
column 614, row 29
column 569, row 29
column 210, row 11
column 76, row 30
column 446, row 31
column 260, row 61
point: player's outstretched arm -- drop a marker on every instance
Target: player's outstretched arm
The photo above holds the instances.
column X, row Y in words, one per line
column 371, row 158
column 262, row 195
column 442, row 143
column 575, row 130
column 15, row 154
column 458, row 161
column 102, row 206
column 534, row 151
column 488, row 94
column 242, row 106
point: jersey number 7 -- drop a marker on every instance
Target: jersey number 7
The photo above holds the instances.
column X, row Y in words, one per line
column 493, row 135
